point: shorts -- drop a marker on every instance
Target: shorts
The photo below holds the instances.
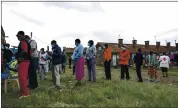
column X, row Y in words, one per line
column 163, row 69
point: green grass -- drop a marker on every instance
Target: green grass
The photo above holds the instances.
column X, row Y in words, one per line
column 103, row 93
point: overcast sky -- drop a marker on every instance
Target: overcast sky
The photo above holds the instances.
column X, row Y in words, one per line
column 99, row 21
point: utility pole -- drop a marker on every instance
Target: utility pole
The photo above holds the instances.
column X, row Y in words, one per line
column 31, row 34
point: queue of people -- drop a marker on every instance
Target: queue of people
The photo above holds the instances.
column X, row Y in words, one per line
column 29, row 60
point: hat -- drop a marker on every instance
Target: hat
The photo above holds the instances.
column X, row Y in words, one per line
column 20, row 33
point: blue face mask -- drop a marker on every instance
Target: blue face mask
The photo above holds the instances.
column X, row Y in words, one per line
column 88, row 44
column 13, row 58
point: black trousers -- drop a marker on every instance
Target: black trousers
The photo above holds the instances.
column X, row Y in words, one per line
column 125, row 70
column 73, row 69
column 107, row 67
column 69, row 65
column 138, row 70
column 33, row 83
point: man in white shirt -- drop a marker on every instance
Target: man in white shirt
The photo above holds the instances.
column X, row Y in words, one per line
column 164, row 64
column 33, row 83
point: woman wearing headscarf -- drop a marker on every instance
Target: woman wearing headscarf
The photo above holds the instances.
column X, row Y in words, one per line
column 79, row 61
column 91, row 60
column 152, row 64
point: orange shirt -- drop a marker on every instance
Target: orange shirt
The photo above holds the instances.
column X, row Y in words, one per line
column 124, row 57
column 107, row 54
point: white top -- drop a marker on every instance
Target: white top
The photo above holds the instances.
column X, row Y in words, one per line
column 164, row 61
column 42, row 58
column 33, row 45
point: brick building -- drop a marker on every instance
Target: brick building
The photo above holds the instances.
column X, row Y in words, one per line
column 116, row 48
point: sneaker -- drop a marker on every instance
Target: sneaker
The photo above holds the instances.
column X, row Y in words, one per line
column 21, row 97
column 59, row 88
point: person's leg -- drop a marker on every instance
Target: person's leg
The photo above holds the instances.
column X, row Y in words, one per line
column 93, row 69
column 41, row 71
column 64, row 68
column 57, row 75
column 105, row 69
column 30, row 79
column 89, row 70
column 23, row 74
column 109, row 70
column 162, row 69
column 45, row 71
column 127, row 72
column 73, row 69
column 53, row 74
column 122, row 72
column 32, row 76
column 138, row 68
column 166, row 71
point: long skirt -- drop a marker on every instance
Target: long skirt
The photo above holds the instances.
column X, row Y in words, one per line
column 79, row 68
column 152, row 72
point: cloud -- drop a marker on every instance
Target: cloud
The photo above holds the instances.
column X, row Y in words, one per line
column 27, row 18
column 105, row 36
column 79, row 6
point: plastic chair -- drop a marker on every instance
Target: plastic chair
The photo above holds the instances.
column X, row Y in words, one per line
column 5, row 75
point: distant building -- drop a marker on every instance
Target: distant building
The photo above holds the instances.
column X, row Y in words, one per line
column 116, row 48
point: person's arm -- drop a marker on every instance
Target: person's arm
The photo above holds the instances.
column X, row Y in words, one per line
column 58, row 52
column 33, row 45
column 79, row 53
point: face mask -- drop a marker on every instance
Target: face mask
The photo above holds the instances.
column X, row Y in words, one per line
column 53, row 46
column 6, row 47
column 88, row 44
column 123, row 49
column 104, row 47
column 13, row 58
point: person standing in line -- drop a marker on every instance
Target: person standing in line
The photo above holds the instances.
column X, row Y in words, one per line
column 164, row 64
column 107, row 61
column 138, row 60
column 43, row 63
column 23, row 57
column 79, row 61
column 70, row 62
column 91, row 61
column 33, row 83
column 63, row 62
column 57, row 66
column 124, row 62
column 152, row 64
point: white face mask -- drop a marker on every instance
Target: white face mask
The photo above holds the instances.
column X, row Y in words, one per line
column 124, row 48
column 104, row 47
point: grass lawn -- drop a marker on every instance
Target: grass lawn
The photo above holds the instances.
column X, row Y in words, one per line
column 103, row 93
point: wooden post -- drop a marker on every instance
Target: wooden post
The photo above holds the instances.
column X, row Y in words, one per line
column 31, row 35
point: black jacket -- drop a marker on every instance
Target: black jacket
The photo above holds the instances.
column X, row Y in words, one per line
column 138, row 59
column 57, row 55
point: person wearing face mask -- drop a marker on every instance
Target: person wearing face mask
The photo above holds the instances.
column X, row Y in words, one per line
column 57, row 64
column 23, row 57
column 107, row 61
column 32, row 76
column 91, row 61
column 79, row 61
column 7, row 53
column 152, row 64
column 124, row 62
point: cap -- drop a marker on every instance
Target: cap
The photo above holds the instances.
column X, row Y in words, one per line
column 20, row 33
